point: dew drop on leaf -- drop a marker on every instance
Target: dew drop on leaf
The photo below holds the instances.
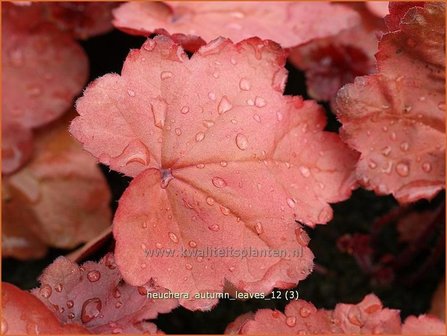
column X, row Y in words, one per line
column 45, row 291
column 91, row 309
column 214, row 227
column 224, row 105
column 426, row 167
column 402, row 169
column 244, row 84
column 93, row 276
column 173, row 237
column 219, row 182
column 291, row 321
column 166, row 75
column 241, row 141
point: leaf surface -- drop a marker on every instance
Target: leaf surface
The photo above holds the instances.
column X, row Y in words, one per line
column 194, row 23
column 221, row 159
column 396, row 118
column 95, row 297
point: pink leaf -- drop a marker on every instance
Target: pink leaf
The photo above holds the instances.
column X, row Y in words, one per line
column 331, row 62
column 194, row 23
column 396, row 118
column 34, row 211
column 17, row 146
column 23, row 314
column 43, row 68
column 204, row 136
column 423, row 325
column 366, row 317
column 95, row 297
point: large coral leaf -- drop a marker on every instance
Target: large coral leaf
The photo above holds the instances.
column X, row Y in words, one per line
column 222, row 159
column 366, row 317
column 34, row 211
column 95, row 297
column 23, row 314
column 192, row 23
column 43, row 68
column 396, row 118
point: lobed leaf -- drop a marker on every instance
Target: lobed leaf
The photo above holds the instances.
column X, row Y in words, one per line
column 34, row 213
column 23, row 314
column 95, row 297
column 405, row 104
column 366, row 317
column 221, row 159
column 194, row 23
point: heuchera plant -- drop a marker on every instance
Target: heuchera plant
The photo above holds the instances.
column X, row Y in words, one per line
column 220, row 157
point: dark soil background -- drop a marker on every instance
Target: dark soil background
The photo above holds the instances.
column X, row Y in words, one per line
column 338, row 277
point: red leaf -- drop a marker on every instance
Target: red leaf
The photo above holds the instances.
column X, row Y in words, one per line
column 366, row 317
column 211, row 133
column 331, row 62
column 396, row 118
column 194, row 23
column 43, row 68
column 34, row 213
column 23, row 314
column 95, row 297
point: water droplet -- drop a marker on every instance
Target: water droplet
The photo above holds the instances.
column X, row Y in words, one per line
column 131, row 93
column 208, row 123
column 158, row 245
column 118, row 304
column 59, row 288
column 159, row 114
column 259, row 229
column 210, row 200
column 178, row 131
column 214, row 227
column 393, row 136
column 233, row 60
column 241, row 141
column 426, row 167
column 199, row 259
column 224, row 105
column 16, row 57
column 250, row 102
column 70, row 304
column 216, row 74
column 304, row 171
column 372, row 164
column 166, row 75
column 149, row 45
column 244, row 84
column 200, row 165
column 45, row 291
column 184, row 110
column 110, row 261
column 173, row 237
column 279, row 116
column 257, row 118
column 291, row 203
column 223, row 163
column 200, row 136
column 225, row 211
column 441, row 106
column 116, row 293
column 305, row 312
column 260, row 102
column 402, row 169
column 385, row 128
column 91, row 309
column 188, row 267
column 212, row 96
column 231, row 268
column 291, row 321
column 192, row 244
column 219, row 182
column 93, row 276
column 386, row 150
column 404, row 146
column 354, row 319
